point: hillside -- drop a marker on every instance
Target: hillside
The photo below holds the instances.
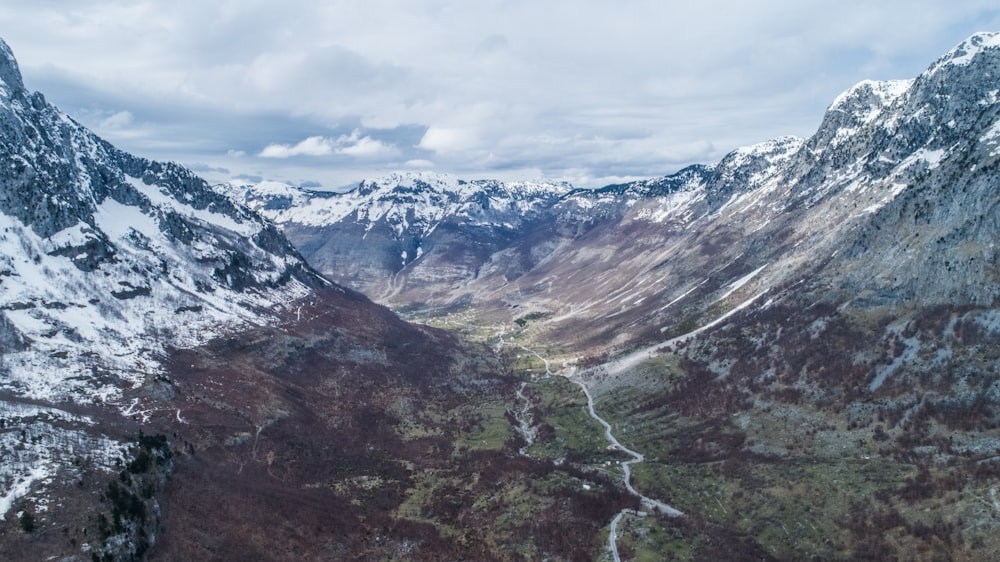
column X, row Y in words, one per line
column 801, row 338
column 177, row 383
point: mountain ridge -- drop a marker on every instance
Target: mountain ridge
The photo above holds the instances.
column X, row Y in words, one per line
column 874, row 138
column 74, row 206
column 806, row 313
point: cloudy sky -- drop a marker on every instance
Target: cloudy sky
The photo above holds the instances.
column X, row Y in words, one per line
column 588, row 91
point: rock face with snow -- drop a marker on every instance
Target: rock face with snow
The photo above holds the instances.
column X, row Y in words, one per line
column 107, row 258
column 850, row 315
column 175, row 380
column 408, row 232
column 429, row 238
column 891, row 198
column 108, row 262
column 830, row 302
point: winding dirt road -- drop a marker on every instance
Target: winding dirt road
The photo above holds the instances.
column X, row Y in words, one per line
column 637, row 457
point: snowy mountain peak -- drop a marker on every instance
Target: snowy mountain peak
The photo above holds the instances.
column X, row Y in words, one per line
column 968, row 50
column 411, row 203
column 107, row 259
column 10, row 74
column 746, row 168
column 867, row 98
column 396, row 183
column 778, row 147
column 411, row 179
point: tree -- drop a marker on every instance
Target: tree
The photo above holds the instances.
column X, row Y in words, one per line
column 27, row 521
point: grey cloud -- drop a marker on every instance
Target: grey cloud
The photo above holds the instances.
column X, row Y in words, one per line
column 582, row 89
column 209, row 169
column 492, row 44
column 249, row 178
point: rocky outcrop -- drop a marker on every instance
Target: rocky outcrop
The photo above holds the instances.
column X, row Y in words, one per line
column 87, row 225
column 108, row 263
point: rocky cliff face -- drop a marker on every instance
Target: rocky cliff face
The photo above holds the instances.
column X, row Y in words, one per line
column 108, row 263
column 403, row 232
column 891, row 198
column 854, row 329
column 108, row 258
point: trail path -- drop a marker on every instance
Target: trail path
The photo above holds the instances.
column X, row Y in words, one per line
column 627, row 465
column 637, row 457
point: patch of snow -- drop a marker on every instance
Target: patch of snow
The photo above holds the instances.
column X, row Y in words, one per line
column 75, row 323
column 932, row 157
column 887, row 91
column 817, row 327
column 161, row 198
column 992, row 137
column 21, row 486
column 33, row 451
column 894, row 191
column 742, row 281
column 963, row 54
column 911, row 347
column 678, row 299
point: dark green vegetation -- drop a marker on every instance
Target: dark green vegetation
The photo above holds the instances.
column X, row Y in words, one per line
column 524, row 320
column 27, row 521
column 130, row 509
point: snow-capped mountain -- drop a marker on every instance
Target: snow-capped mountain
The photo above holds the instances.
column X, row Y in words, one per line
column 174, row 378
column 412, row 204
column 428, row 228
column 804, row 313
column 106, row 258
column 108, row 262
column 841, row 312
column 624, row 254
column 830, row 302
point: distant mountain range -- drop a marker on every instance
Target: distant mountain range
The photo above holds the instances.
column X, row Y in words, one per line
column 629, row 257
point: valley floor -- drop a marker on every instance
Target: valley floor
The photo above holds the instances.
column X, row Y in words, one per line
column 765, row 479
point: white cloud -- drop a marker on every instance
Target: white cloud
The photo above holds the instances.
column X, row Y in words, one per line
column 448, row 139
column 118, row 120
column 581, row 88
column 366, row 147
column 312, row 146
column 351, row 145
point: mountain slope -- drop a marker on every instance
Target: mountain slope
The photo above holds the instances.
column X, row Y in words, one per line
column 177, row 383
column 625, row 255
column 107, row 263
column 98, row 244
column 412, row 230
column 806, row 312
column 844, row 382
